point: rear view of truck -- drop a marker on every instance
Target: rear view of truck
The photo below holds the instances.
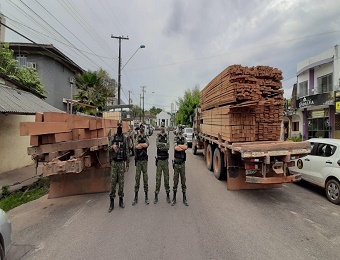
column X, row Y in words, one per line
column 238, row 125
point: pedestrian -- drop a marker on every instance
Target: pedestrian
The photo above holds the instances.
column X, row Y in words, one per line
column 119, row 153
column 180, row 146
column 162, row 163
column 141, row 159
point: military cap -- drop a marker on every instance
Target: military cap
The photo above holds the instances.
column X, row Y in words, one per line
column 162, row 124
column 119, row 123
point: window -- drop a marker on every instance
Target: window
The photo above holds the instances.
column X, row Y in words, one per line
column 325, row 150
column 295, row 126
column 325, row 84
column 303, row 88
column 318, row 127
column 22, row 60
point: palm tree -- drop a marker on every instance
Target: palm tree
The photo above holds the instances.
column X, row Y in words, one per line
column 90, row 92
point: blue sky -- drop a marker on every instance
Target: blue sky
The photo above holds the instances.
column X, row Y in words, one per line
column 187, row 43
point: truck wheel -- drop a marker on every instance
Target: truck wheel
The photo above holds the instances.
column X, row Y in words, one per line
column 194, row 147
column 333, row 191
column 218, row 162
column 209, row 157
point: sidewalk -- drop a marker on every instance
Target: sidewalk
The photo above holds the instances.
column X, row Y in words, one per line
column 18, row 178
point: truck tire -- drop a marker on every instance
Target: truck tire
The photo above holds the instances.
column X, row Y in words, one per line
column 209, row 157
column 218, row 161
column 194, row 147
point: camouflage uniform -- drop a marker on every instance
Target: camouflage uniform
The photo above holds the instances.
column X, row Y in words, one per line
column 162, row 143
column 179, row 169
column 141, row 166
column 118, row 166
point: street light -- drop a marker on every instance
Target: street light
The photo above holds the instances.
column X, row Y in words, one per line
column 140, row 47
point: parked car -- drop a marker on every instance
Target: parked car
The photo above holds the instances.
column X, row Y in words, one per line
column 322, row 166
column 187, row 133
column 5, row 234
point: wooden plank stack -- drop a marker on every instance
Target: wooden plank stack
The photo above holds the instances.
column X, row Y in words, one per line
column 52, row 127
column 243, row 104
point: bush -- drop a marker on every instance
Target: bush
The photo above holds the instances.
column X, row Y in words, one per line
column 295, row 139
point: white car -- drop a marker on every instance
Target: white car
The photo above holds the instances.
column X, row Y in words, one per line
column 322, row 166
column 5, row 234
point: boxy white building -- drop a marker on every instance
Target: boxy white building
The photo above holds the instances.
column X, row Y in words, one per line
column 163, row 116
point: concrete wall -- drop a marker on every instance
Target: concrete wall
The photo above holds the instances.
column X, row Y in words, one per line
column 56, row 79
column 13, row 152
column 322, row 56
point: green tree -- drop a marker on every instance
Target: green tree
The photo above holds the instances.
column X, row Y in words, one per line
column 136, row 112
column 187, row 105
column 154, row 110
column 27, row 77
column 92, row 91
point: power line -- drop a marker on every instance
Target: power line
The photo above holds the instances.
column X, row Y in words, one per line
column 40, row 45
column 235, row 51
column 61, row 42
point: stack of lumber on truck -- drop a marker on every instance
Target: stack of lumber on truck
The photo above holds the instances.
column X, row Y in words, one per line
column 243, row 104
column 73, row 149
column 64, row 140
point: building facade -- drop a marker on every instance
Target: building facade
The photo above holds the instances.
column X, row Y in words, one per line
column 57, row 71
column 317, row 87
column 163, row 117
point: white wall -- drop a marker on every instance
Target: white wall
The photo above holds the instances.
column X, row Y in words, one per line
column 336, row 76
column 13, row 152
column 163, row 115
column 322, row 56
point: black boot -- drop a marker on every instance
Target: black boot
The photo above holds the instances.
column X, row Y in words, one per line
column 146, row 198
column 185, row 199
column 174, row 199
column 121, row 203
column 156, row 198
column 168, row 197
column 112, row 204
column 136, row 199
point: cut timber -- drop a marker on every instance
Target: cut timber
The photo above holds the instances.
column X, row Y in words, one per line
column 65, row 146
column 88, row 181
column 40, row 128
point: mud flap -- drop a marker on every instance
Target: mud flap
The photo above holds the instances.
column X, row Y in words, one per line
column 88, row 181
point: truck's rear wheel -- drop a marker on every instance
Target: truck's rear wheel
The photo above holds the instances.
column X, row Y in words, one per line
column 218, row 162
column 209, row 157
column 194, row 148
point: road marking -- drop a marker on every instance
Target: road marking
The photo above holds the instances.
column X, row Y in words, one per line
column 294, row 213
column 335, row 214
column 76, row 214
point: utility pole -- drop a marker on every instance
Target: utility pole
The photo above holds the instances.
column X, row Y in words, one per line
column 140, row 106
column 143, row 89
column 129, row 97
column 120, row 38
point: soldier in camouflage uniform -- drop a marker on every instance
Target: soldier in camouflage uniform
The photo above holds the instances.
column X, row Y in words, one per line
column 141, row 157
column 162, row 162
column 180, row 145
column 119, row 164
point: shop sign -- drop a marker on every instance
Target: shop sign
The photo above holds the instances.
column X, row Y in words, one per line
column 337, row 101
column 318, row 113
column 324, row 99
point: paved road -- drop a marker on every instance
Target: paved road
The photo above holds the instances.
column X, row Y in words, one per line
column 293, row 222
